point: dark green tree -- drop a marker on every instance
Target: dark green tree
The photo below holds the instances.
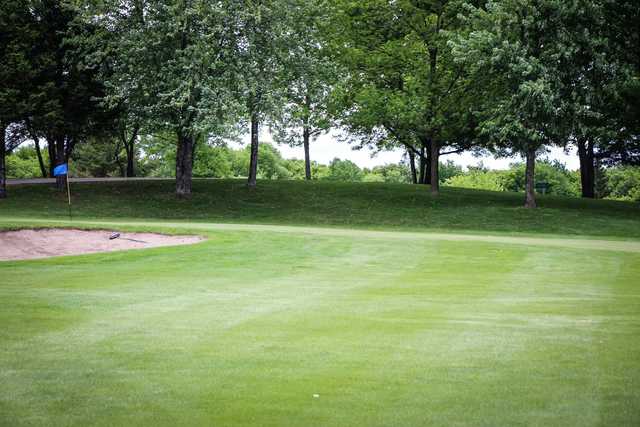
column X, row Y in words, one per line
column 17, row 34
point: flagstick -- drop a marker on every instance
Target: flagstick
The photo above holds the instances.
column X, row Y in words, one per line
column 69, row 196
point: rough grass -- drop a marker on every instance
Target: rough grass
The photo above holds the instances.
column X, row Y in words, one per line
column 352, row 205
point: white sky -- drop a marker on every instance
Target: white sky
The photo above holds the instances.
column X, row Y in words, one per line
column 326, row 148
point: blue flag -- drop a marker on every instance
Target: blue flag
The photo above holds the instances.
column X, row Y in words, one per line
column 60, row 170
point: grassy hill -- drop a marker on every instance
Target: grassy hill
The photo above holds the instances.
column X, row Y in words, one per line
column 332, row 204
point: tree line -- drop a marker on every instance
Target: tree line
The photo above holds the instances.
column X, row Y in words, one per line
column 156, row 158
column 508, row 77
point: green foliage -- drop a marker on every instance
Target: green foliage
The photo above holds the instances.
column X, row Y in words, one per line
column 212, row 162
column 623, row 183
column 23, row 163
column 514, row 54
column 479, row 179
column 449, row 170
column 402, row 86
column 99, row 157
column 311, row 74
column 394, row 173
column 560, row 181
column 344, row 170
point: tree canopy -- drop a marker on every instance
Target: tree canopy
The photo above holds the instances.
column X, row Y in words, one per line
column 431, row 77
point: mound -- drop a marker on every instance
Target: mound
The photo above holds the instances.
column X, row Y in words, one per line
column 44, row 243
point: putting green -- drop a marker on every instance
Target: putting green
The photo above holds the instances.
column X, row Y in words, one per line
column 289, row 326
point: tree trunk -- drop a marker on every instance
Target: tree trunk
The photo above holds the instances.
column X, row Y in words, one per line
column 3, row 167
column 253, row 163
column 129, row 143
column 131, row 172
column 43, row 169
column 184, row 165
column 412, row 165
column 530, row 174
column 307, row 159
column 423, row 167
column 587, row 168
column 51, row 148
column 427, row 163
column 434, row 161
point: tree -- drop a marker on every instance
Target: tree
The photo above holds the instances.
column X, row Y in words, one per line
column 173, row 63
column 514, row 53
column 344, row 170
column 311, row 73
column 600, row 84
column 64, row 88
column 264, row 28
column 16, row 37
column 404, row 86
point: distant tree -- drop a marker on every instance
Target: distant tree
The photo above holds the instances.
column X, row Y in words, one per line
column 23, row 163
column 558, row 180
column 311, row 74
column 99, row 157
column 344, row 170
column 264, row 41
column 394, row 173
column 213, row 161
column 623, row 183
column 448, row 170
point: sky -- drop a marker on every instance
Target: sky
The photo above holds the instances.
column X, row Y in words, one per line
column 326, row 148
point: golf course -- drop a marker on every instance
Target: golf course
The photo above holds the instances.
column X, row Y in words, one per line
column 320, row 213
column 324, row 304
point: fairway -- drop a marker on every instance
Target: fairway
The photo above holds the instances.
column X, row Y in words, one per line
column 284, row 327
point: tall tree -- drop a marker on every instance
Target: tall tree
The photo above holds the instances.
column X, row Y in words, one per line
column 515, row 52
column 310, row 75
column 17, row 35
column 265, row 30
column 63, row 106
column 403, row 84
column 603, row 85
column 172, row 63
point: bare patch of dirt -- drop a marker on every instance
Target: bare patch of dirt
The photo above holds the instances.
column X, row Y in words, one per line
column 50, row 242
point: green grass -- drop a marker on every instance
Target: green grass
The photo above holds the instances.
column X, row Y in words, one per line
column 386, row 328
column 373, row 206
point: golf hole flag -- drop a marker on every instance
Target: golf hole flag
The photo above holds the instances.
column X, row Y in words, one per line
column 60, row 170
column 63, row 169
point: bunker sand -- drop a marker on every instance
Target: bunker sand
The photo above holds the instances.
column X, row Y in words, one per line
column 50, row 242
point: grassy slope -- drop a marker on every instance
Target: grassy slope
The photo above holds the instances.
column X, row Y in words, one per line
column 246, row 327
column 377, row 206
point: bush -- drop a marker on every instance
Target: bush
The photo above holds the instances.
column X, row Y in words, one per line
column 23, row 163
column 623, row 183
column 560, row 181
column 479, row 179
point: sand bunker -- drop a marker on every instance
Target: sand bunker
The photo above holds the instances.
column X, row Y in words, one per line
column 44, row 243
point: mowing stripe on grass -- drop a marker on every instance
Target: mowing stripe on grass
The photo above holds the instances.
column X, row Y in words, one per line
column 590, row 244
